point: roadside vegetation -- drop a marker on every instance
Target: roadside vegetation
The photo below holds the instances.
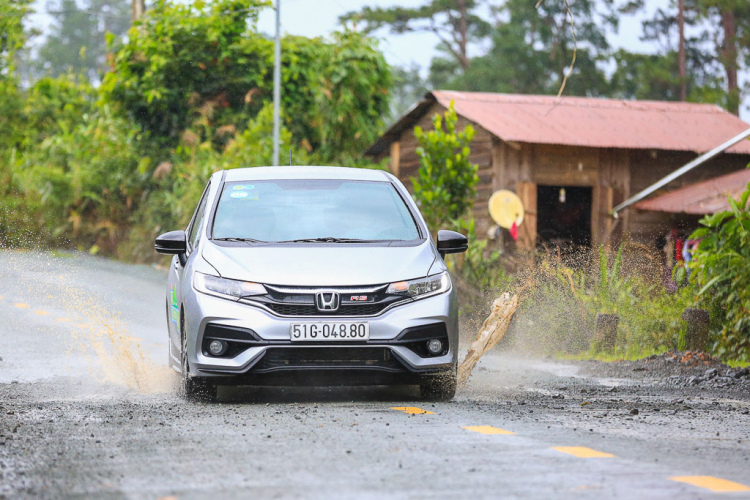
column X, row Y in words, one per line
column 721, row 270
column 187, row 93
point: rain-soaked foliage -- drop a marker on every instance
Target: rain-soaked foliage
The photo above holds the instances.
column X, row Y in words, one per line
column 721, row 267
column 187, row 94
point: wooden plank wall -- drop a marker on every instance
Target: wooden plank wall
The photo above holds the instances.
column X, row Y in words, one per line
column 481, row 154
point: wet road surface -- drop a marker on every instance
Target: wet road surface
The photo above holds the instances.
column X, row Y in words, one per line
column 87, row 409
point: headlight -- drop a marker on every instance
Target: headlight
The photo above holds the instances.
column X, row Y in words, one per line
column 431, row 285
column 228, row 289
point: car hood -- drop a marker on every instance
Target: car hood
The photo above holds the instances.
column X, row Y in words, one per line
column 320, row 265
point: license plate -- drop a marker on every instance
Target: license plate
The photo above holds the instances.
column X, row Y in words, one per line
column 329, row 331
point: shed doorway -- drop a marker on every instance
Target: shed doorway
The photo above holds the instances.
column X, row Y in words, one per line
column 564, row 216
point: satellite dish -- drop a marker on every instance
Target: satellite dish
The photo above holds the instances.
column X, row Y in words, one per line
column 506, row 208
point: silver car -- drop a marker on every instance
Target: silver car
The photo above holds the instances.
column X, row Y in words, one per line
column 310, row 276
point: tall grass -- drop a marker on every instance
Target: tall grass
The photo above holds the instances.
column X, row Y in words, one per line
column 561, row 296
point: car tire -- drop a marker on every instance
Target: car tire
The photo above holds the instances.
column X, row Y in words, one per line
column 439, row 387
column 191, row 387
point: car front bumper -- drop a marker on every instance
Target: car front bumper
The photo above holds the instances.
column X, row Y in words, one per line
column 202, row 310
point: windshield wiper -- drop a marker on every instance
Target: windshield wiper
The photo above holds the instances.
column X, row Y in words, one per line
column 328, row 239
column 243, row 240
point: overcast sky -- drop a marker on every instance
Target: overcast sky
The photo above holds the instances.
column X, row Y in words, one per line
column 320, row 17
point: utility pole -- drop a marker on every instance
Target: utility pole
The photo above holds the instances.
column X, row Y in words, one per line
column 681, row 55
column 276, row 84
column 138, row 8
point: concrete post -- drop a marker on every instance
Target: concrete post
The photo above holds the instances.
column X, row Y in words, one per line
column 605, row 333
column 697, row 329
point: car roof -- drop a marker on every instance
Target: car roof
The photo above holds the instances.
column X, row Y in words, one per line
column 305, row 172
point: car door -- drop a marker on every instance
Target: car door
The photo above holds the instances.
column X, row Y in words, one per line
column 177, row 274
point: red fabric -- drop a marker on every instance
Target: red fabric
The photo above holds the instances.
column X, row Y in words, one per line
column 514, row 231
column 678, row 249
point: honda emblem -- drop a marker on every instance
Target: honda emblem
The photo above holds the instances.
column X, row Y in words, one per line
column 327, row 301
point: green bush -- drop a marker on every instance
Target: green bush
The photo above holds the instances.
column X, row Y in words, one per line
column 721, row 268
column 64, row 178
column 87, row 177
column 445, row 186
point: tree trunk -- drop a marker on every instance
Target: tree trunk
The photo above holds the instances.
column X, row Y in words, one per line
column 681, row 26
column 462, row 35
column 729, row 59
column 138, row 8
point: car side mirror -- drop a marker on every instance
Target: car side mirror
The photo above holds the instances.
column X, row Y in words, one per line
column 451, row 242
column 171, row 243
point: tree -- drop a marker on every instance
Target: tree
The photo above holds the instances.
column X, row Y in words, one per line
column 532, row 49
column 77, row 40
column 714, row 55
column 445, row 186
column 353, row 96
column 180, row 58
column 681, row 58
column 12, row 39
column 728, row 27
column 455, row 23
column 12, row 33
column 205, row 64
column 656, row 77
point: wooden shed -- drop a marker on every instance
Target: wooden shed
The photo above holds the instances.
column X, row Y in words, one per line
column 571, row 160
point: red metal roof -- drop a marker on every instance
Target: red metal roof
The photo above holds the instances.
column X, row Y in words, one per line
column 598, row 123
column 707, row 197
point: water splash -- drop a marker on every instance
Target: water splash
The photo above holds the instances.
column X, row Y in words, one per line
column 71, row 316
column 116, row 353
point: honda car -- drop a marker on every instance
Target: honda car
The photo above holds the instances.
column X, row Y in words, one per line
column 310, row 276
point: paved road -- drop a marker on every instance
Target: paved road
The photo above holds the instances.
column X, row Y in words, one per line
column 83, row 414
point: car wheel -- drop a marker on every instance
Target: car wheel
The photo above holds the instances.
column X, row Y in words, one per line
column 194, row 388
column 439, row 387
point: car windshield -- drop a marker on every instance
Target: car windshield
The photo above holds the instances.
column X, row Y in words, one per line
column 313, row 210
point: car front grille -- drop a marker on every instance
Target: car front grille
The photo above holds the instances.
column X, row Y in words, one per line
column 291, row 358
column 300, row 302
column 305, row 310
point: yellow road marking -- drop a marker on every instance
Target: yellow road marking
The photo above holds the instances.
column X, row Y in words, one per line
column 715, row 484
column 582, row 452
column 412, row 410
column 21, row 305
column 487, row 429
column 63, row 320
column 41, row 313
column 81, row 325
